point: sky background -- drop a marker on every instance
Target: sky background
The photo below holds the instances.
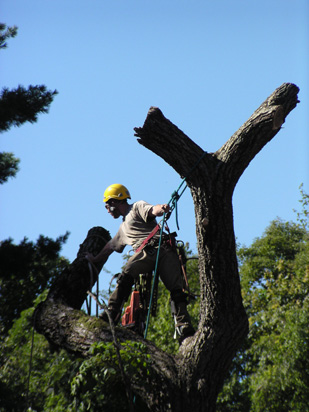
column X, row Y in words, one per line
column 208, row 65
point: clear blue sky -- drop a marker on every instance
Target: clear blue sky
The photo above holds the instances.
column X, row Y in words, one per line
column 207, row 65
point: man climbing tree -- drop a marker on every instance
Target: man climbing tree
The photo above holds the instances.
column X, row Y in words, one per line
column 192, row 379
column 153, row 252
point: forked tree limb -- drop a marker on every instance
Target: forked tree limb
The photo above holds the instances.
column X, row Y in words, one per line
column 192, row 379
column 163, row 138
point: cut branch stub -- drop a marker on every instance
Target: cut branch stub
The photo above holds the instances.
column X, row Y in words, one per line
column 163, row 138
column 53, row 317
column 71, row 288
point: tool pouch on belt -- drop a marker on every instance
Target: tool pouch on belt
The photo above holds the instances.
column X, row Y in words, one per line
column 168, row 241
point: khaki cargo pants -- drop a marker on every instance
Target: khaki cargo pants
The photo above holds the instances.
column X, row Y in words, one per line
column 169, row 268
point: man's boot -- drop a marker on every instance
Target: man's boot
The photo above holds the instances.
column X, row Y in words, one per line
column 181, row 316
column 118, row 298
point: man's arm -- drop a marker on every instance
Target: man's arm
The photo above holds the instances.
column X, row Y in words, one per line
column 158, row 210
column 101, row 256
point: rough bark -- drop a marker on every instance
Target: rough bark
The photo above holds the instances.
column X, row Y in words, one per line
column 192, row 379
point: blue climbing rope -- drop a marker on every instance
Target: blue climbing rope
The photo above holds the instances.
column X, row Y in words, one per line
column 173, row 206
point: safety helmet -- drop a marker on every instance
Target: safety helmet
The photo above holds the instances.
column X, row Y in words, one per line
column 116, row 191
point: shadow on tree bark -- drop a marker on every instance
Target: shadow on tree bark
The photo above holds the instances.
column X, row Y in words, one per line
column 191, row 380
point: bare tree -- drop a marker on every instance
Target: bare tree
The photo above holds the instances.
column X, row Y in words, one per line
column 191, row 380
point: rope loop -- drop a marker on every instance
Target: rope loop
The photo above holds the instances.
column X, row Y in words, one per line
column 173, row 205
column 174, row 199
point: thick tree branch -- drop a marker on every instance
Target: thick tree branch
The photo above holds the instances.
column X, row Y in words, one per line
column 75, row 331
column 163, row 138
column 257, row 131
column 71, row 288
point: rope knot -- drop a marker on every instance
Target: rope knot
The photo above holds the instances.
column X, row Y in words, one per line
column 175, row 196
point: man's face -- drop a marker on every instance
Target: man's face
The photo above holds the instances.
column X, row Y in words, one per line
column 112, row 207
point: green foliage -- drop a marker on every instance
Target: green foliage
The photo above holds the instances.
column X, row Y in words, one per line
column 51, row 373
column 271, row 371
column 8, row 166
column 6, row 32
column 303, row 216
column 26, row 270
column 61, row 383
column 18, row 106
column 22, row 105
column 99, row 384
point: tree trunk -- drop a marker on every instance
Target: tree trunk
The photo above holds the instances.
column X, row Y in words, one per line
column 191, row 380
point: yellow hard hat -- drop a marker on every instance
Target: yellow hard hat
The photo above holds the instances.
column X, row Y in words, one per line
column 116, row 191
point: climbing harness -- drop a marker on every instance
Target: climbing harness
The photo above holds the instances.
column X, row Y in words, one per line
column 137, row 299
column 148, row 238
column 135, row 314
column 173, row 202
column 173, row 206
